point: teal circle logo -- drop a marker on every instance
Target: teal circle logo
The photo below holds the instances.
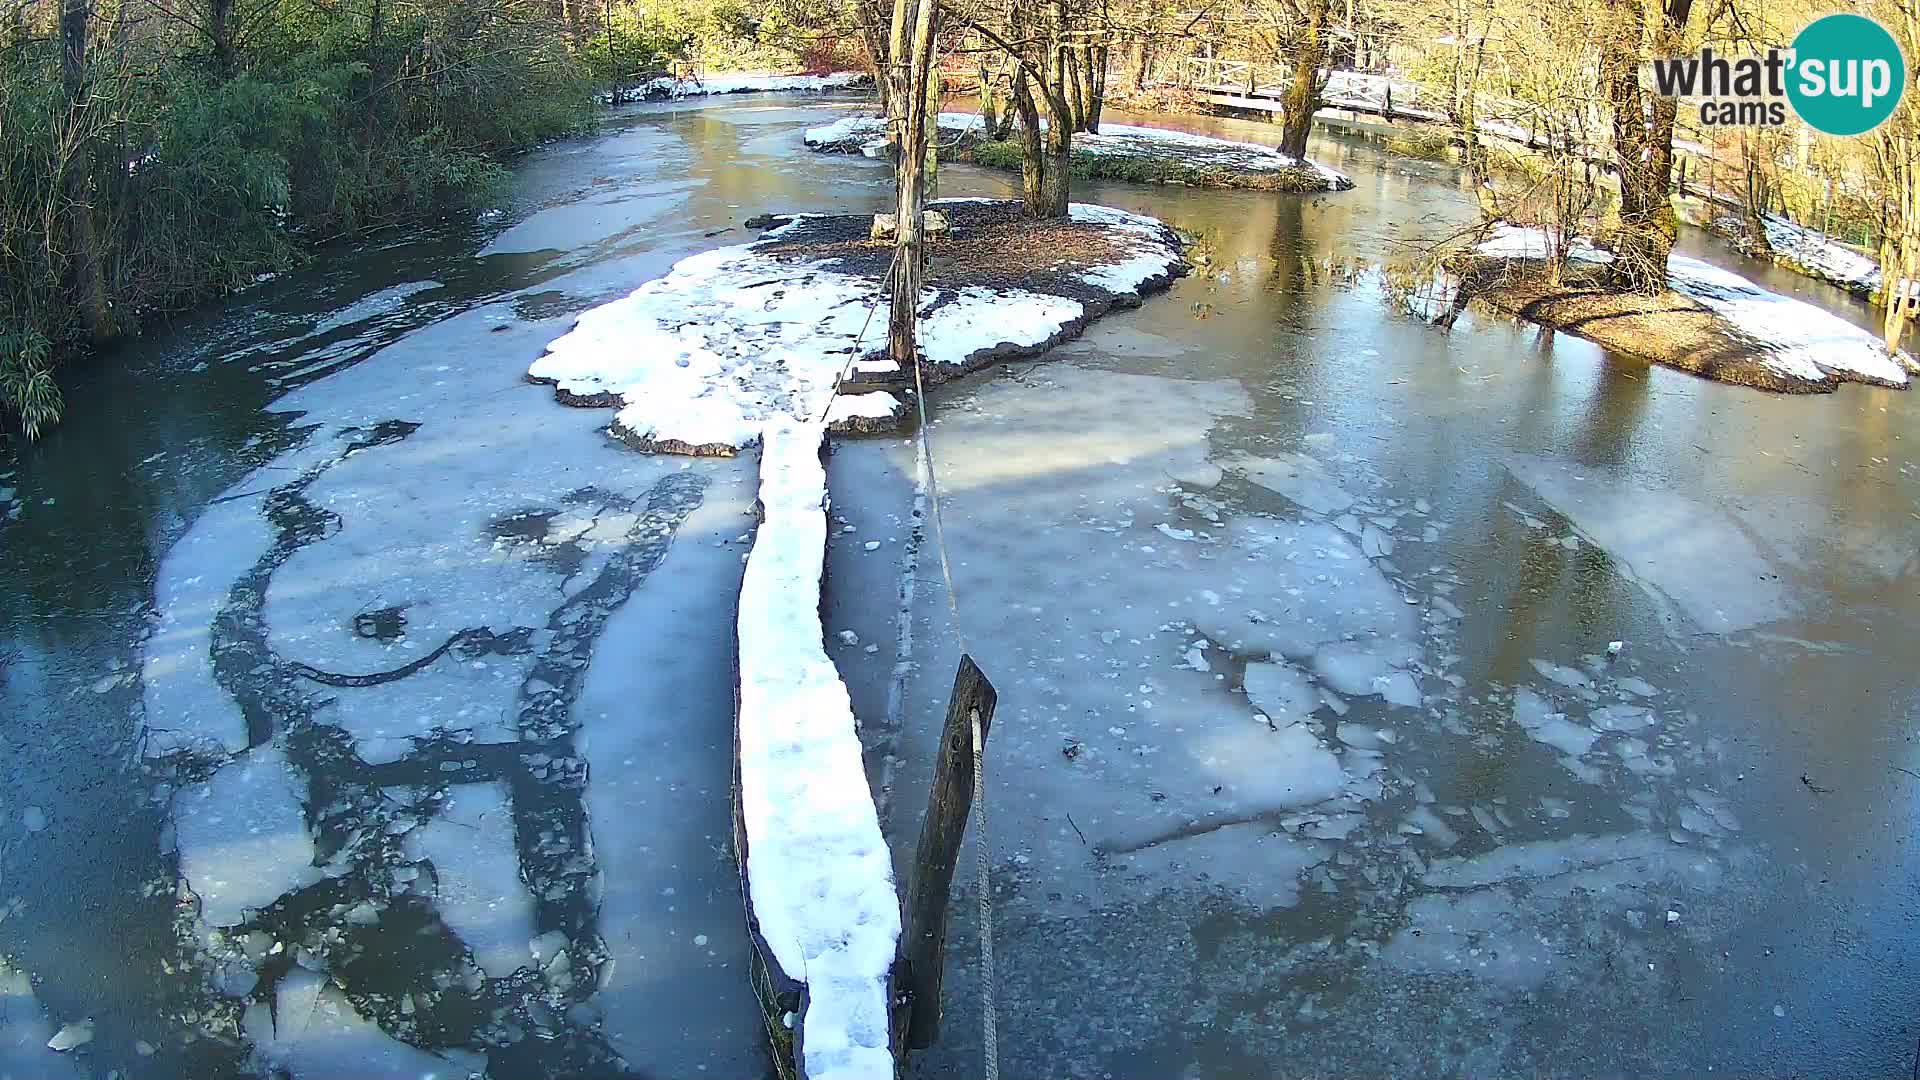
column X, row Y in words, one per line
column 1847, row 74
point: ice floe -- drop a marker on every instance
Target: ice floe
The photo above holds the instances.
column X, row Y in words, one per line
column 1678, row 548
column 243, row 836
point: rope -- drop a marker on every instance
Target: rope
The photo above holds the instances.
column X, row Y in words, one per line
column 989, row 1032
column 853, row 352
column 989, row 1009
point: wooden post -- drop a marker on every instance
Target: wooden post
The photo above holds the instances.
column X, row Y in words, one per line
column 923, row 937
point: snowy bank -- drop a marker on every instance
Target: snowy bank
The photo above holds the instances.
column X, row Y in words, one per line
column 666, row 87
column 1119, row 151
column 1807, row 251
column 818, row 874
column 1711, row 321
column 701, row 360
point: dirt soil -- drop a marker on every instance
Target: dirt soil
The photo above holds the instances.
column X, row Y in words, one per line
column 988, row 244
column 1667, row 328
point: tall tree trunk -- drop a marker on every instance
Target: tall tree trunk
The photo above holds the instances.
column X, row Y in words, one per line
column 1101, row 55
column 1302, row 98
column 873, row 33
column 911, row 47
column 1033, row 158
column 1059, row 141
column 989, row 99
column 87, row 280
column 1642, row 143
column 1075, row 91
column 1896, row 146
column 220, row 36
column 1469, row 54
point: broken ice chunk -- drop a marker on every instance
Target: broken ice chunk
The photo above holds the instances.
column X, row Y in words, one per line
column 1353, row 670
column 1281, row 691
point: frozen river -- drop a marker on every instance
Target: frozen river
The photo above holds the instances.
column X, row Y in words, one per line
column 369, row 713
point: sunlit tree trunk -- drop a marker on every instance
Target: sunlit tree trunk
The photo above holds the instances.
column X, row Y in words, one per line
column 1897, row 163
column 1302, row 97
column 911, row 47
column 1642, row 143
column 1033, row 159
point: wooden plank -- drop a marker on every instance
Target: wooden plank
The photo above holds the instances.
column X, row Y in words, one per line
column 923, row 938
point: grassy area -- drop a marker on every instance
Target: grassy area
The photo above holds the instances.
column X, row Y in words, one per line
column 1151, row 169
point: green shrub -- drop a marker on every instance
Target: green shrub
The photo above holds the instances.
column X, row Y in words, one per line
column 201, row 178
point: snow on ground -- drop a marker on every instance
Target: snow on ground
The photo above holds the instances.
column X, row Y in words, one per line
column 311, row 1032
column 1680, row 549
column 243, row 837
column 737, row 83
column 819, row 873
column 867, row 134
column 740, row 336
column 1795, row 339
column 479, row 894
column 1814, row 253
column 1126, row 140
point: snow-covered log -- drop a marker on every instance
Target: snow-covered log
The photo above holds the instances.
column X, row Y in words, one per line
column 816, row 872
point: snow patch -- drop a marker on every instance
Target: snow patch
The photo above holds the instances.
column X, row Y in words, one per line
column 738, row 337
column 1792, row 338
column 819, row 873
column 669, row 87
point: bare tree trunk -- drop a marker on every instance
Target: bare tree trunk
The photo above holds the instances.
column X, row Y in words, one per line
column 1033, row 159
column 911, row 47
column 1639, row 247
column 1755, row 195
column 1897, row 162
column 1302, row 98
column 1075, row 90
column 1059, row 141
column 1094, row 72
column 86, row 275
column 220, row 36
column 989, row 99
column 1643, row 149
column 873, row 35
column 1469, row 55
